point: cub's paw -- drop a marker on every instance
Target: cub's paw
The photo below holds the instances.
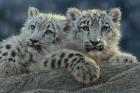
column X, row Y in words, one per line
column 123, row 59
column 10, row 69
column 86, row 72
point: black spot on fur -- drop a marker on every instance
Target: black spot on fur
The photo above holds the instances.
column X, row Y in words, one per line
column 62, row 55
column 59, row 62
column 18, row 49
column 117, row 60
column 75, row 63
column 53, row 63
column 0, row 57
column 66, row 65
column 126, row 60
column 73, row 60
column 78, row 67
column 80, row 55
column 70, row 55
column 45, row 63
column 71, row 65
column 6, row 65
column 0, row 51
column 11, row 59
column 66, row 62
column 8, row 46
column 13, row 53
column 5, row 54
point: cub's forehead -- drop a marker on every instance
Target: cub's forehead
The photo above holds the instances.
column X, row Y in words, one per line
column 35, row 19
column 46, row 23
column 95, row 17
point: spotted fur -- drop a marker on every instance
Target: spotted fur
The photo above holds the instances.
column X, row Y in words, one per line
column 38, row 40
column 97, row 33
column 59, row 56
column 16, row 56
column 84, row 69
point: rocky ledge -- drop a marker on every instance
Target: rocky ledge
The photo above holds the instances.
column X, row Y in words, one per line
column 114, row 79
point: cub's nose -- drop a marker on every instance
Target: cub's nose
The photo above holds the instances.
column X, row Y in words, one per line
column 94, row 42
column 34, row 41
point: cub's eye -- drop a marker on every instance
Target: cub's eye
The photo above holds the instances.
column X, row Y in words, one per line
column 85, row 28
column 49, row 32
column 33, row 27
column 104, row 28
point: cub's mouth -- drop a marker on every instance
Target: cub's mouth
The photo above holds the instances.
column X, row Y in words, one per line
column 35, row 45
column 90, row 48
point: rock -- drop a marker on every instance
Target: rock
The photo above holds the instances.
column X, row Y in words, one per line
column 114, row 79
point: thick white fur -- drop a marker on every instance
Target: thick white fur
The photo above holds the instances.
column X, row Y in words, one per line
column 111, row 53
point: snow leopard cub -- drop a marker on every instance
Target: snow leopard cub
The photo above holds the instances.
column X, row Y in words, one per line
column 97, row 33
column 16, row 57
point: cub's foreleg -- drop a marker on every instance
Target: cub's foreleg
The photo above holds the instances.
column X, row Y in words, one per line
column 123, row 58
column 84, row 69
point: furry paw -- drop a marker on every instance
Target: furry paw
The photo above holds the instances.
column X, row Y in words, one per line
column 87, row 72
column 10, row 69
column 123, row 59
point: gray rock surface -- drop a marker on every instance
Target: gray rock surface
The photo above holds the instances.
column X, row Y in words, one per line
column 114, row 79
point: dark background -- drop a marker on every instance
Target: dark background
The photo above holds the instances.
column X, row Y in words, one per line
column 13, row 14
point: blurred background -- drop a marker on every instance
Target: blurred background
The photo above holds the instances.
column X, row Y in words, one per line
column 13, row 14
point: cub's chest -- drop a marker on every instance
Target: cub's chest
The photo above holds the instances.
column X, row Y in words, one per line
column 101, row 58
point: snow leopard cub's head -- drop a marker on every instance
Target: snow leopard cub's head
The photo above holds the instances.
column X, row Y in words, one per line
column 45, row 28
column 95, row 30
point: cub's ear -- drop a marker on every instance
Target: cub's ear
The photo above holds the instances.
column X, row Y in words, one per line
column 32, row 12
column 73, row 13
column 115, row 14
